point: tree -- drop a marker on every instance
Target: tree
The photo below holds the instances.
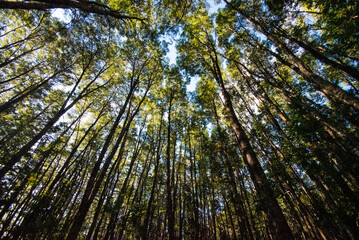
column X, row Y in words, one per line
column 209, row 58
column 100, row 138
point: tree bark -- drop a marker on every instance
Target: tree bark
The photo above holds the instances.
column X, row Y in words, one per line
column 277, row 221
column 149, row 210
column 170, row 212
column 94, row 181
column 82, row 5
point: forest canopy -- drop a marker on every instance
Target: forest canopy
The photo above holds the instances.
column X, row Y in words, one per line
column 100, row 137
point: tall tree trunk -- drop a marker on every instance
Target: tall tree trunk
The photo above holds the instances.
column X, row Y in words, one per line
column 94, row 181
column 149, row 210
column 121, row 195
column 170, row 212
column 277, row 221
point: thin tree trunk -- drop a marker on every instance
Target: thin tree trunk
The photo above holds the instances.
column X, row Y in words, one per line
column 170, row 212
column 149, row 211
column 94, row 181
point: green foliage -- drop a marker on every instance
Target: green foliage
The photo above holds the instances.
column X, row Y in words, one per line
column 85, row 104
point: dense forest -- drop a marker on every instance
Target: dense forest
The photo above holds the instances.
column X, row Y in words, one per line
column 100, row 138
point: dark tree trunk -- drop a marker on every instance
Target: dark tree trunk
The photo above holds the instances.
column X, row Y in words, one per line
column 278, row 224
column 149, row 210
column 170, row 212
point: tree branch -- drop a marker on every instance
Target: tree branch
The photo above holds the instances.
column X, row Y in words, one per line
column 90, row 7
